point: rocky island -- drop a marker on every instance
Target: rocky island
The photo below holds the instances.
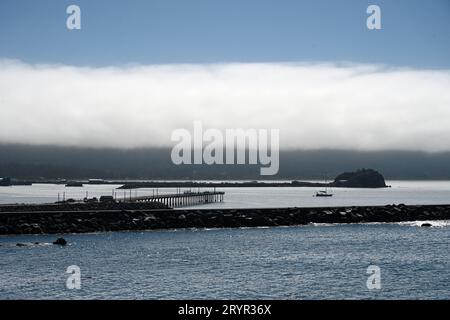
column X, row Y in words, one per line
column 362, row 178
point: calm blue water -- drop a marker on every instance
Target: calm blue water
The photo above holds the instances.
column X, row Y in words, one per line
column 308, row 262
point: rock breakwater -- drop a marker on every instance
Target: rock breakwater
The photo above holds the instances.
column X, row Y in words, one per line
column 83, row 221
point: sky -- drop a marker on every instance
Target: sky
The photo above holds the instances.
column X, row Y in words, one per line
column 137, row 70
column 414, row 33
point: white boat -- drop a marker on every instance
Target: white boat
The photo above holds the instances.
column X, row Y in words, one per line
column 323, row 193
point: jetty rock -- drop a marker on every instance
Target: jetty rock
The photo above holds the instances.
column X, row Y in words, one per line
column 60, row 241
column 362, row 178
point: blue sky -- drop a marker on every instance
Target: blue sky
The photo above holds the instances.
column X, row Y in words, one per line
column 415, row 33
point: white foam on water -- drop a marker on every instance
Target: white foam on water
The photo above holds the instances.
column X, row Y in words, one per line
column 418, row 223
column 434, row 223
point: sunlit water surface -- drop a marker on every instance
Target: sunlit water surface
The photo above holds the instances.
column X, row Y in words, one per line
column 307, row 262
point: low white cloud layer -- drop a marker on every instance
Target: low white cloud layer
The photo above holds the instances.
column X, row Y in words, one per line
column 364, row 107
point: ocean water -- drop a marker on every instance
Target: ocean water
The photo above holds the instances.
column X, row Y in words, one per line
column 407, row 192
column 306, row 262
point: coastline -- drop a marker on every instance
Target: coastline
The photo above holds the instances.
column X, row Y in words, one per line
column 74, row 219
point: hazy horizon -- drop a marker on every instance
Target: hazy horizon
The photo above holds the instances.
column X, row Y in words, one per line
column 25, row 161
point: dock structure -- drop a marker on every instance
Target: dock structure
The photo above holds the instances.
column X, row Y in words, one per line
column 182, row 199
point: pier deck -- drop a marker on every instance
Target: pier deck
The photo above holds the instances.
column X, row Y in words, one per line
column 182, row 199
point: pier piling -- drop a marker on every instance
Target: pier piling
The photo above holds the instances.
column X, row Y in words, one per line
column 181, row 199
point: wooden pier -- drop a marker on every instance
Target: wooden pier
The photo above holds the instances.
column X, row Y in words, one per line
column 182, row 199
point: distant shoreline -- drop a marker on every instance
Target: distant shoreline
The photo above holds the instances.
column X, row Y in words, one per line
column 190, row 184
column 361, row 178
